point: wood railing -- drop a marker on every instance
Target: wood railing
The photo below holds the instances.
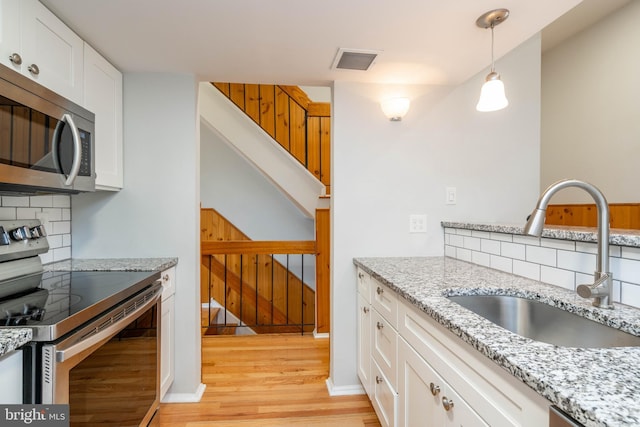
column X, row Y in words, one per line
column 265, row 294
column 300, row 126
column 623, row 215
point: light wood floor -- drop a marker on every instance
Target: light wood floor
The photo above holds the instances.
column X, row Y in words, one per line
column 267, row 380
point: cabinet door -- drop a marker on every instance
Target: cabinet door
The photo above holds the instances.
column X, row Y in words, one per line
column 10, row 29
column 384, row 346
column 385, row 399
column 167, row 344
column 53, row 48
column 364, row 344
column 364, row 285
column 103, row 97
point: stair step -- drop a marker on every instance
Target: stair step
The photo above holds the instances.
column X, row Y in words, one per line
column 207, row 315
column 228, row 329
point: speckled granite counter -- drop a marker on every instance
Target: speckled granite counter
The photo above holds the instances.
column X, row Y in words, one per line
column 113, row 264
column 579, row 234
column 12, row 339
column 598, row 387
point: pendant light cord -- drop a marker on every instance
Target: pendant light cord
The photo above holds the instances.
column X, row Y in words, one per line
column 492, row 63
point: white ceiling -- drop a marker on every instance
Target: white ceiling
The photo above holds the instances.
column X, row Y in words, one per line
column 295, row 41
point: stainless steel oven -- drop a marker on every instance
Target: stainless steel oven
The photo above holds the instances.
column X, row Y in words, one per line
column 96, row 334
column 46, row 141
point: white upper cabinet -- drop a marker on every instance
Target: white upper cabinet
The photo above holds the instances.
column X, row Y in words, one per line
column 35, row 43
column 103, row 96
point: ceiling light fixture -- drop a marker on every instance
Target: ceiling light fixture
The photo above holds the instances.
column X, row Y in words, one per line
column 492, row 97
column 395, row 108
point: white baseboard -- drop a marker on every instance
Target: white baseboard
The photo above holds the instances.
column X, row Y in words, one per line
column 347, row 390
column 320, row 335
column 185, row 397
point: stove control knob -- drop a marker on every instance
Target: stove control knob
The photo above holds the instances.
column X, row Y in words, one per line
column 21, row 233
column 38, row 231
column 4, row 237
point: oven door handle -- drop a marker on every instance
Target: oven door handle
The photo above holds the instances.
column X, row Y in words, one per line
column 108, row 332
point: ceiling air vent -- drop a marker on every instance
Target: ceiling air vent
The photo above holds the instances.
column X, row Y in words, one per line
column 354, row 59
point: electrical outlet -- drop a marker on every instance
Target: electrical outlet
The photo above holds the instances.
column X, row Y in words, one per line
column 450, row 198
column 417, row 223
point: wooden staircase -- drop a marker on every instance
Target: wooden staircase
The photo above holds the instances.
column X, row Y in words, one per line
column 299, row 125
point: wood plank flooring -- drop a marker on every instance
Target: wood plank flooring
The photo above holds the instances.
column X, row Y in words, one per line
column 267, row 380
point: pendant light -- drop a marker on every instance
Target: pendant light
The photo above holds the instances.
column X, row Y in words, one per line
column 492, row 97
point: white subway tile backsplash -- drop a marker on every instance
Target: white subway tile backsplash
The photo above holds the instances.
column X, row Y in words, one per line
column 558, row 262
column 463, row 254
column 526, row 240
column 540, row 255
column 526, row 269
column 472, row 243
column 490, row 246
column 558, row 277
column 455, row 240
column 54, row 212
column 512, row 250
column 502, row 263
column 558, row 244
column 481, row 258
column 576, row 261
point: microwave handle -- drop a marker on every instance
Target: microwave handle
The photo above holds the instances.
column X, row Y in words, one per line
column 77, row 149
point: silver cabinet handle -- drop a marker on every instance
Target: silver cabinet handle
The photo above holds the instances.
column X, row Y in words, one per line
column 33, row 69
column 379, row 379
column 434, row 389
column 165, row 277
column 365, row 309
column 15, row 58
column 361, row 276
column 379, row 325
column 379, row 291
column 446, row 403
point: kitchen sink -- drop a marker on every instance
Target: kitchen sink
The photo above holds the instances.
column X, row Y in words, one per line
column 542, row 322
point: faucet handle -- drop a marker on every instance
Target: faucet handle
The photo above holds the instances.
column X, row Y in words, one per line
column 599, row 290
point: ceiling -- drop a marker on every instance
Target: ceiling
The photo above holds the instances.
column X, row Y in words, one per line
column 295, row 41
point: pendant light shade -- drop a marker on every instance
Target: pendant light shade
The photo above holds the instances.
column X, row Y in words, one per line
column 492, row 96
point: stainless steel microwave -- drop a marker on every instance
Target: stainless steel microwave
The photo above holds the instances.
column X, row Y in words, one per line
column 46, row 141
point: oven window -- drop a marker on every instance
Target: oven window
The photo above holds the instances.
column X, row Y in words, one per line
column 116, row 385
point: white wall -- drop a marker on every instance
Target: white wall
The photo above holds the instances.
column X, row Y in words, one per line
column 384, row 171
column 157, row 212
column 590, row 114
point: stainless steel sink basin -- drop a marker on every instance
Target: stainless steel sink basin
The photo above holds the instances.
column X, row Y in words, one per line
column 542, row 322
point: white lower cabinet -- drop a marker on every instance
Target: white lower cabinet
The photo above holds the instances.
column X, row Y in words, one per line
column 420, row 374
column 167, row 331
column 425, row 399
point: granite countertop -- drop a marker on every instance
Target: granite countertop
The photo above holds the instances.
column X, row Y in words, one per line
column 596, row 386
column 12, row 339
column 112, row 264
column 564, row 232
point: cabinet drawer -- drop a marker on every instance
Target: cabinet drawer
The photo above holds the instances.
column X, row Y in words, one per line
column 499, row 398
column 364, row 344
column 385, row 301
column 364, row 285
column 385, row 398
column 385, row 347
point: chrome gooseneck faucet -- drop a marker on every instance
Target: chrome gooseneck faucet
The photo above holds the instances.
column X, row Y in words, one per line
column 602, row 288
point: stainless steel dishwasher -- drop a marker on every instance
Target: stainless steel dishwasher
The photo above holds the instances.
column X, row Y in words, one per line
column 557, row 418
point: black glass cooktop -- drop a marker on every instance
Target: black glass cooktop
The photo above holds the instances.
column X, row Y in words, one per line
column 61, row 301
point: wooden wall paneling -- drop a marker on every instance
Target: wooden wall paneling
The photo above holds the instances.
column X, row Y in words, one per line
column 319, row 109
column 325, row 152
column 237, row 94
column 252, row 101
column 323, row 270
column 298, row 138
column 313, row 146
column 224, row 88
column 297, row 94
column 282, row 118
column 268, row 109
column 622, row 215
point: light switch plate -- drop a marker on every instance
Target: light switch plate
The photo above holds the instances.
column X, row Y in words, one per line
column 451, row 198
